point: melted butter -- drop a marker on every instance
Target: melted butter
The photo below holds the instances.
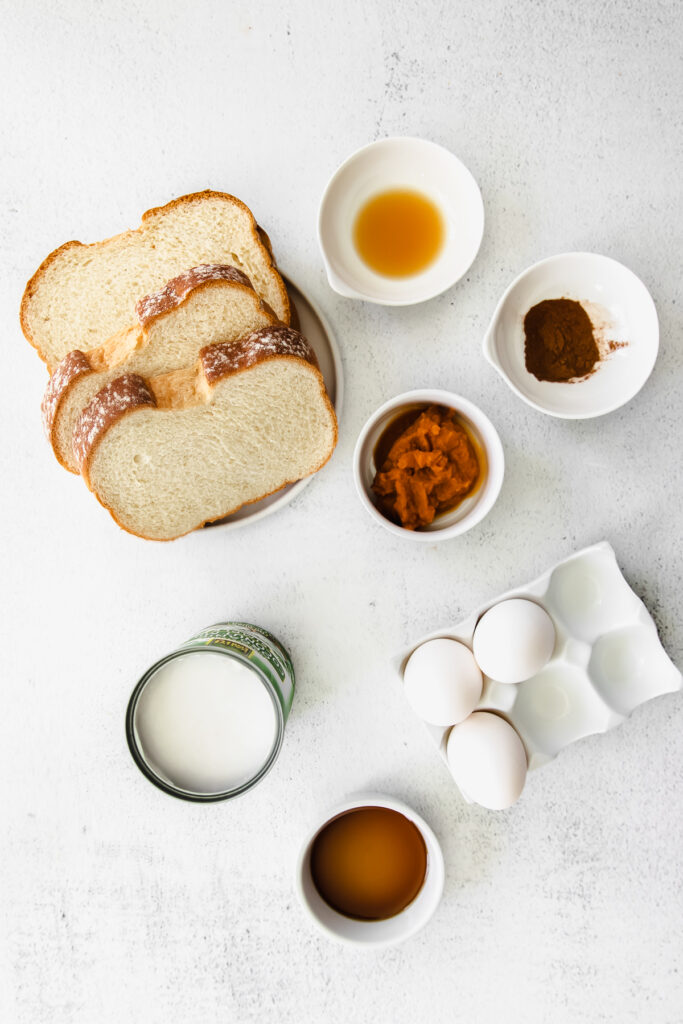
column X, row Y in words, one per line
column 399, row 233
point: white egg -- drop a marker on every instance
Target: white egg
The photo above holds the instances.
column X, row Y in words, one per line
column 513, row 640
column 442, row 681
column 488, row 760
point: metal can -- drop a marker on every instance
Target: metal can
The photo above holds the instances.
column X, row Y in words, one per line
column 249, row 646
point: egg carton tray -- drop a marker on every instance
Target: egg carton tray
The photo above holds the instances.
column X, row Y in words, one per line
column 607, row 659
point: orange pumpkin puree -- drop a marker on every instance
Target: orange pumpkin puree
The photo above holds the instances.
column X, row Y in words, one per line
column 428, row 467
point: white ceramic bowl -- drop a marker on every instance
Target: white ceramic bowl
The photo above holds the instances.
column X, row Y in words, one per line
column 473, row 509
column 627, row 308
column 400, row 163
column 372, row 934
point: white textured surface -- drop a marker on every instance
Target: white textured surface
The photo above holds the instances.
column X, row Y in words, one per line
column 118, row 903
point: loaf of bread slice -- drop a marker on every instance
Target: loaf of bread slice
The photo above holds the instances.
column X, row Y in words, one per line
column 205, row 305
column 167, row 454
column 81, row 295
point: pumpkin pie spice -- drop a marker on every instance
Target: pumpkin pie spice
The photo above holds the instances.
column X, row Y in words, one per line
column 559, row 341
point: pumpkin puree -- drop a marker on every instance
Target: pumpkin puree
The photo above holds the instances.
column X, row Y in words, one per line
column 429, row 468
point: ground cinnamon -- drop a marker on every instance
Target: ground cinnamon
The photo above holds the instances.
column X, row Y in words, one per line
column 559, row 343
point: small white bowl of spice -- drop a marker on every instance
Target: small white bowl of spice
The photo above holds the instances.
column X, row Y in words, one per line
column 575, row 336
column 428, row 465
column 400, row 222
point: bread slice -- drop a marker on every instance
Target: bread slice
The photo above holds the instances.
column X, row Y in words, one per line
column 83, row 294
column 168, row 454
column 204, row 305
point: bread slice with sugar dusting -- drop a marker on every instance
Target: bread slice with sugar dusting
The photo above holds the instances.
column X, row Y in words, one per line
column 81, row 295
column 204, row 305
column 166, row 455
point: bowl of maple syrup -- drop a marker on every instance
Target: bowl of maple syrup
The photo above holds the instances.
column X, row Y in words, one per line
column 371, row 873
column 400, row 222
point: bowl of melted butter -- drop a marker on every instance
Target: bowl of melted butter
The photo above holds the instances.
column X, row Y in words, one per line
column 400, row 222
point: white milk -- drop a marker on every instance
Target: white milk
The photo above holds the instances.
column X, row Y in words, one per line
column 205, row 722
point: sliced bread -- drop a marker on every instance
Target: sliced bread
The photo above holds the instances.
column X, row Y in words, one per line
column 204, row 305
column 166, row 455
column 81, row 295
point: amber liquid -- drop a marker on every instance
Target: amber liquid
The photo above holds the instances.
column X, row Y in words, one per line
column 369, row 863
column 398, row 233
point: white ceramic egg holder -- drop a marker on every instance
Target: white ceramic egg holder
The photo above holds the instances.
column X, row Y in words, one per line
column 607, row 660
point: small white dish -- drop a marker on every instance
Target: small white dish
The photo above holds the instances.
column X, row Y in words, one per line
column 372, row 934
column 409, row 163
column 620, row 306
column 470, row 511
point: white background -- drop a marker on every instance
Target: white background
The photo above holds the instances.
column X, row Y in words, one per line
column 119, row 904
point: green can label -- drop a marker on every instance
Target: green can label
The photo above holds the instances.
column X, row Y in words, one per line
column 257, row 646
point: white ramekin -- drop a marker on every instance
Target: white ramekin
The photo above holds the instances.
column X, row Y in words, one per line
column 473, row 509
column 372, row 934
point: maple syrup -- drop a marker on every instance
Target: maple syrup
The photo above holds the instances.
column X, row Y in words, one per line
column 369, row 863
column 399, row 232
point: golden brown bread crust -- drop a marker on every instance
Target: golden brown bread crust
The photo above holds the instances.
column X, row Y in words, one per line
column 129, row 391
column 68, row 370
column 220, row 361
column 173, row 294
column 192, row 197
column 263, row 235
column 125, row 394
column 294, row 320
